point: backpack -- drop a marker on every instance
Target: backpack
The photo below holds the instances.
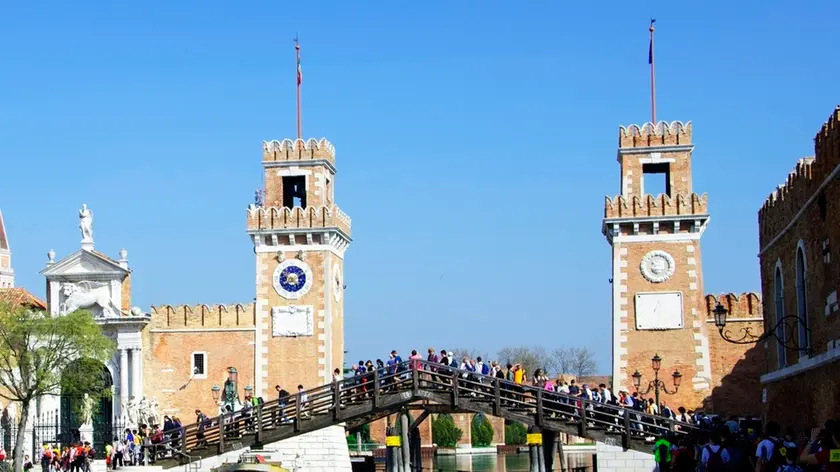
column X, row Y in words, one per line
column 777, row 459
column 715, row 463
column 485, row 369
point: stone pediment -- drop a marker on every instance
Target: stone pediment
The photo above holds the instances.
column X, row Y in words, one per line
column 85, row 265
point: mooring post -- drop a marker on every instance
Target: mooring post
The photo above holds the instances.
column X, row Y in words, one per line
column 534, row 440
column 406, row 446
column 549, row 446
column 392, row 443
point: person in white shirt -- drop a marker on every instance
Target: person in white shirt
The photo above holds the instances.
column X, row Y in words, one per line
column 764, row 451
column 606, row 395
column 713, row 447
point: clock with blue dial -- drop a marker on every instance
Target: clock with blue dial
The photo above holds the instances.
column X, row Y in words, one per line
column 292, row 279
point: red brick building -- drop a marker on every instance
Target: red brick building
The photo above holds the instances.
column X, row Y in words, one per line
column 799, row 235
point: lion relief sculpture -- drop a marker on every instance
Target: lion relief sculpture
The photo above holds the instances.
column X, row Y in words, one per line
column 88, row 296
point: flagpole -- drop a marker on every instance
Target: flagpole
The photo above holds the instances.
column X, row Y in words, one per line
column 298, row 80
column 652, row 76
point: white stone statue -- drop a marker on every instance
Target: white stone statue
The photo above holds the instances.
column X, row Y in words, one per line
column 86, row 223
column 148, row 412
column 86, row 295
column 136, row 311
column 86, row 409
column 154, row 417
column 130, row 411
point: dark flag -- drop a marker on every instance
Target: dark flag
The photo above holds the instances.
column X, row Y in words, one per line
column 650, row 44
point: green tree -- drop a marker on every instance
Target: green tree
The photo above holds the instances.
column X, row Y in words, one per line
column 482, row 431
column 516, row 434
column 444, row 431
column 36, row 350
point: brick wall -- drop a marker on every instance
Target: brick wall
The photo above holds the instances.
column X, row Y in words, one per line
column 736, row 368
column 816, row 233
column 293, row 361
column 224, row 332
column 680, row 349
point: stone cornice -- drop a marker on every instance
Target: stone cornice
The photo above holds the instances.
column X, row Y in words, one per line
column 310, row 163
column 652, row 149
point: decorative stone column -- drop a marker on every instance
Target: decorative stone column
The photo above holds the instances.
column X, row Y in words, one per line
column 137, row 373
column 123, row 380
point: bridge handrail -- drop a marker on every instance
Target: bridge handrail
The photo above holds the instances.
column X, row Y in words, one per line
column 412, row 375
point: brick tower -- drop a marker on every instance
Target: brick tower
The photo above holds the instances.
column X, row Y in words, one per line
column 657, row 302
column 7, row 274
column 300, row 236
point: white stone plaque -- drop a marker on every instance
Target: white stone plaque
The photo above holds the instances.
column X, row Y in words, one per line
column 292, row 320
column 659, row 310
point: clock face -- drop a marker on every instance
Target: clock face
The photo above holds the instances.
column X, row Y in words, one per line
column 337, row 284
column 292, row 279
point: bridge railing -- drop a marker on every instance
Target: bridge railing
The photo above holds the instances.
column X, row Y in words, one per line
column 503, row 397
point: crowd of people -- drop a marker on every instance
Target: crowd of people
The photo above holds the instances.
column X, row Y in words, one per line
column 727, row 446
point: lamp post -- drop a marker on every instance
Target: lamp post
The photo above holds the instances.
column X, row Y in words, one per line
column 230, row 393
column 789, row 327
column 215, row 390
column 656, row 385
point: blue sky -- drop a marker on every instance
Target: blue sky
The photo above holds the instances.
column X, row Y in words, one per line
column 475, row 142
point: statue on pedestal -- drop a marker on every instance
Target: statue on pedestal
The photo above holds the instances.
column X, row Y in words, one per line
column 86, row 409
column 86, row 224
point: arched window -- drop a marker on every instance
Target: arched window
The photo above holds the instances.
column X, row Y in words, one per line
column 802, row 299
column 779, row 298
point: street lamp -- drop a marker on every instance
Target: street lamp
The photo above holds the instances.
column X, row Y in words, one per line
column 215, row 390
column 656, row 385
column 232, row 374
column 789, row 332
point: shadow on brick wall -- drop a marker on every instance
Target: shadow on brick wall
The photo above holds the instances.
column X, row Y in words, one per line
column 739, row 368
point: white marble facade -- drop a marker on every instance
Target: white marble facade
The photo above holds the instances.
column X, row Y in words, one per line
column 93, row 281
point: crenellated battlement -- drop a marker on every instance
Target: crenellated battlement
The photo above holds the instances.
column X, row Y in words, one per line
column 660, row 205
column 658, row 134
column 236, row 315
column 801, row 183
column 298, row 150
column 744, row 305
column 260, row 218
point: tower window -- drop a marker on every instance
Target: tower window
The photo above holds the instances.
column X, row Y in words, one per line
column 656, row 179
column 294, row 191
column 199, row 365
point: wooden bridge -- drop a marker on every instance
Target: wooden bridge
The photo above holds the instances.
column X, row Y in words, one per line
column 417, row 385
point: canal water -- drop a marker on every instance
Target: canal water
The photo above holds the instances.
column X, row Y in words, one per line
column 577, row 462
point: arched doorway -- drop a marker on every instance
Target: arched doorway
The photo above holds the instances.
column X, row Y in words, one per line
column 102, row 417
